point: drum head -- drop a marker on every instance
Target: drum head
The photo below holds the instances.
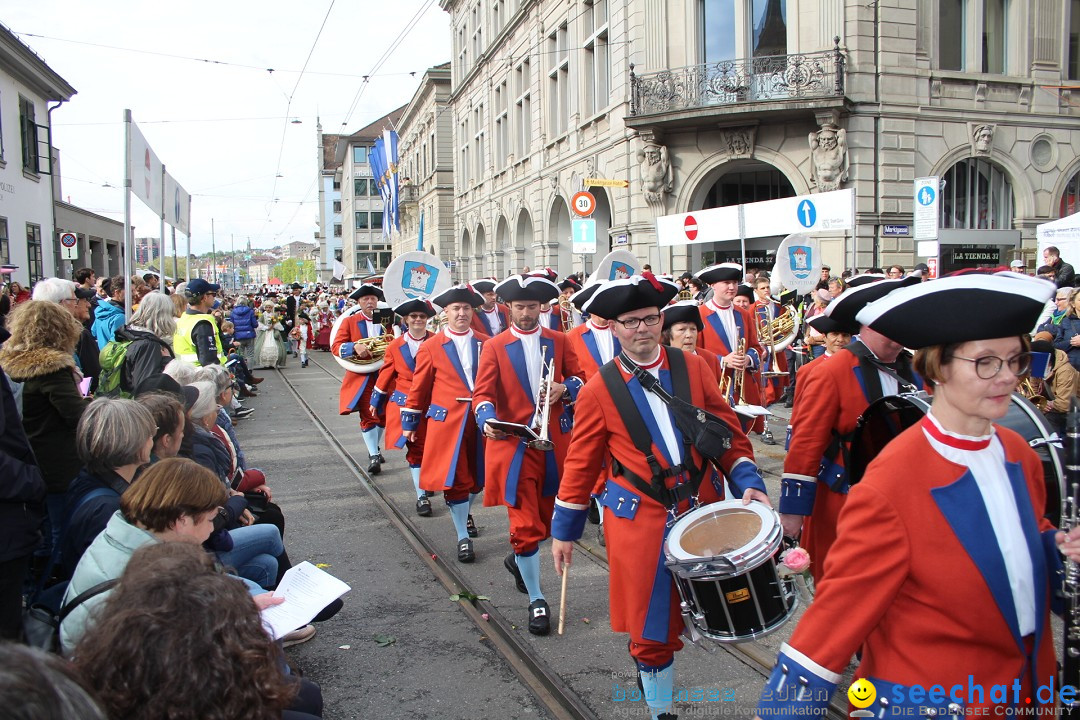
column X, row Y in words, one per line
column 883, row 420
column 739, row 533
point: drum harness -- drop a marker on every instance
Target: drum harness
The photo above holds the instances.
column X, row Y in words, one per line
column 703, row 422
column 872, row 382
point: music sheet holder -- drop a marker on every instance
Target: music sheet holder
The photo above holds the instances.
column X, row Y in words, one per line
column 517, row 429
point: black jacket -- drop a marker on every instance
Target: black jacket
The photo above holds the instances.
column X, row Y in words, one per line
column 1064, row 275
column 86, row 520
column 22, row 489
column 147, row 356
column 88, row 358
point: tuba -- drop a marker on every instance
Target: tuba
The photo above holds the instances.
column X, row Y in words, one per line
column 376, row 346
column 1032, row 389
column 781, row 331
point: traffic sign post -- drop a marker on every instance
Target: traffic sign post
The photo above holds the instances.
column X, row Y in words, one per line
column 927, row 207
column 69, row 246
column 583, row 203
column 584, row 236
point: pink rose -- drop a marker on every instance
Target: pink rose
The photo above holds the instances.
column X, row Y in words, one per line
column 796, row 559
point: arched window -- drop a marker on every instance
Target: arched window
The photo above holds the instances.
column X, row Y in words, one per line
column 1070, row 199
column 976, row 195
column 751, row 183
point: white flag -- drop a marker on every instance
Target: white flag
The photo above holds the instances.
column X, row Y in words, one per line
column 177, row 205
column 339, row 270
column 144, row 169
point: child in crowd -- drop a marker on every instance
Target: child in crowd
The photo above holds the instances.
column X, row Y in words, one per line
column 302, row 338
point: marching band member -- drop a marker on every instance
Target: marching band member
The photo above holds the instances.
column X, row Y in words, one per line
column 682, row 325
column 491, row 318
column 945, row 576
column 831, row 397
column 744, row 297
column 643, row 598
column 725, row 325
column 765, row 311
column 592, row 341
column 394, row 382
column 837, row 337
column 442, row 389
column 356, row 388
column 508, row 388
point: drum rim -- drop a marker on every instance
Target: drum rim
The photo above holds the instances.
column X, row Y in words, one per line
column 746, row 557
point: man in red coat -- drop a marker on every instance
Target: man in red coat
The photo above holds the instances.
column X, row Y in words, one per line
column 724, row 327
column 492, row 317
column 519, row 369
column 442, row 389
column 356, row 387
column 592, row 341
column 765, row 311
column 643, row 598
column 394, row 382
column 831, row 397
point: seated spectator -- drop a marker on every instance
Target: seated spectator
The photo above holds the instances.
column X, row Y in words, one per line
column 1059, row 385
column 36, row 685
column 210, row 658
column 168, row 414
column 1067, row 335
column 109, row 315
column 150, row 333
column 113, row 441
column 39, row 354
column 77, row 301
column 1051, row 317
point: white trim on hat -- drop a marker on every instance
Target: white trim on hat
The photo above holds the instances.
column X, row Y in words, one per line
column 613, row 285
column 1009, row 283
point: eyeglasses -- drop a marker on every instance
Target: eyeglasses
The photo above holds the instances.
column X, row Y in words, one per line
column 633, row 323
column 988, row 367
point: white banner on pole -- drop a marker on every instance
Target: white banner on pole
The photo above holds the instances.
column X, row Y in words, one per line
column 822, row 212
column 177, row 204
column 144, row 169
column 701, row 226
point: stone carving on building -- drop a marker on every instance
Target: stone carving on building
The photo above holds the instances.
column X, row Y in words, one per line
column 657, row 174
column 739, row 142
column 829, row 161
column 982, row 138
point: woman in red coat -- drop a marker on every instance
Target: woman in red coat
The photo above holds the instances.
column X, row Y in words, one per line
column 944, row 577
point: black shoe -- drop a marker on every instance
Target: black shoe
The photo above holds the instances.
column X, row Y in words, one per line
column 374, row 467
column 423, row 507
column 243, row 412
column 510, row 563
column 329, row 611
column 465, row 552
column 380, row 458
column 594, row 512
column 470, row 526
column 668, row 716
column 789, row 401
column 539, row 618
column 303, row 364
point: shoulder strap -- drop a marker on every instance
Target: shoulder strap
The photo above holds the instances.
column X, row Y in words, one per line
column 680, row 374
column 628, row 411
column 82, row 597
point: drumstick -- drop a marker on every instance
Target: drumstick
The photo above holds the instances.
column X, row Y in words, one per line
column 562, row 600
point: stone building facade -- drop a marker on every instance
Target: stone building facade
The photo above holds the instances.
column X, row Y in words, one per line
column 707, row 103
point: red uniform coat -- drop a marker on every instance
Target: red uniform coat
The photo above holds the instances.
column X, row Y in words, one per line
column 774, row 386
column 917, row 580
column 583, row 343
column 355, row 394
column 830, row 396
column 394, row 382
column 480, row 321
column 453, row 461
column 642, row 595
column 714, row 338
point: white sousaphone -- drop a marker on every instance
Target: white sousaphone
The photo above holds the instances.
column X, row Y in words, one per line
column 616, row 265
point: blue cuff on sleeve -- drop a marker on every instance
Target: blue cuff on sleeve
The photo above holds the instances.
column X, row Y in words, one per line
column 794, row 691
column 573, row 386
column 484, row 411
column 567, row 523
column 347, row 350
column 745, row 476
column 410, row 421
column 797, row 496
column 377, row 399
column 755, row 361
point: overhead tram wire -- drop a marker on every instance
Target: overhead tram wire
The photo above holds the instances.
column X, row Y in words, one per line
column 386, row 56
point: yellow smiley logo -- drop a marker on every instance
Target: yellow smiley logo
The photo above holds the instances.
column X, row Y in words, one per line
column 861, row 694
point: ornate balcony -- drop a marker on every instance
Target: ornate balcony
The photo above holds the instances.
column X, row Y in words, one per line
column 770, row 83
column 408, row 195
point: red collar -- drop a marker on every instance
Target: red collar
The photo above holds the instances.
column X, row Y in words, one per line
column 959, row 442
column 519, row 331
column 365, row 316
column 655, row 363
column 455, row 333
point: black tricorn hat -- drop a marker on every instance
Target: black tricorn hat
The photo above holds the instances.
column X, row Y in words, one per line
column 415, row 305
column 367, row 289
column 633, row 293
column 825, row 325
column 847, row 305
column 683, row 311
column 721, row 271
column 459, row 293
column 527, row 288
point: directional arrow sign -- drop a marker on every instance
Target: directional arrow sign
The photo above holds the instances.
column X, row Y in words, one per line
column 584, row 231
column 606, row 182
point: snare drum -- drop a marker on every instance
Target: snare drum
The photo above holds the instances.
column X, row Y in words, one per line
column 887, row 417
column 723, row 558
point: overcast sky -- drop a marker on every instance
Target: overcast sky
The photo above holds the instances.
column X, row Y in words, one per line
column 220, row 129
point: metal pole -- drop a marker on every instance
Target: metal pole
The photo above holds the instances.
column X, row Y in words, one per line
column 213, row 254
column 232, row 261
column 127, row 215
column 175, row 276
column 161, row 246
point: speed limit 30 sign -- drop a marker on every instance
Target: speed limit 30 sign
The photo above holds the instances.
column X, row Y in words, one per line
column 584, row 203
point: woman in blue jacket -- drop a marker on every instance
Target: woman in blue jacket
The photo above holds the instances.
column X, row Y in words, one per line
column 245, row 324
column 1067, row 333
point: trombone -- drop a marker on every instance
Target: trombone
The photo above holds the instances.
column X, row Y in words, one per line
column 542, row 414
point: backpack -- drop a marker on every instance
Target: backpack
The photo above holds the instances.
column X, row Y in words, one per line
column 112, row 364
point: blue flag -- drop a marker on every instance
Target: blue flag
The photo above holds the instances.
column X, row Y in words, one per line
column 420, row 239
column 383, row 158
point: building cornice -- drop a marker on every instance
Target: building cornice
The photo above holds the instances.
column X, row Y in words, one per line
column 27, row 67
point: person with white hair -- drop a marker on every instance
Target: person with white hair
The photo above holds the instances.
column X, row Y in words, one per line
column 148, row 336
column 79, row 302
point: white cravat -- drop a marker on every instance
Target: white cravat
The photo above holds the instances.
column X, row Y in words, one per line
column 660, row 411
column 727, row 319
column 463, row 344
column 605, row 343
column 414, row 343
column 494, row 320
column 987, row 466
column 371, row 325
column 530, row 345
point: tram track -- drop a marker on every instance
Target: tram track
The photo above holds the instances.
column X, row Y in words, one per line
column 541, row 679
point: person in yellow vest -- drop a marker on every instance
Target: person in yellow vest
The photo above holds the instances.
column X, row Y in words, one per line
column 197, row 339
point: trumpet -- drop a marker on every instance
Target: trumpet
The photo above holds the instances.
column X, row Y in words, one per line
column 736, row 381
column 542, row 414
column 566, row 314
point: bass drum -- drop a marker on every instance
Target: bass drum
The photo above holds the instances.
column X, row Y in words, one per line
column 888, row 417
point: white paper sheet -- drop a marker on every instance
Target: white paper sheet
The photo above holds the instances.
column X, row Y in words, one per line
column 306, row 590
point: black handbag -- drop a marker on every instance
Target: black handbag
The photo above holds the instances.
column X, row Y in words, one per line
column 707, row 432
